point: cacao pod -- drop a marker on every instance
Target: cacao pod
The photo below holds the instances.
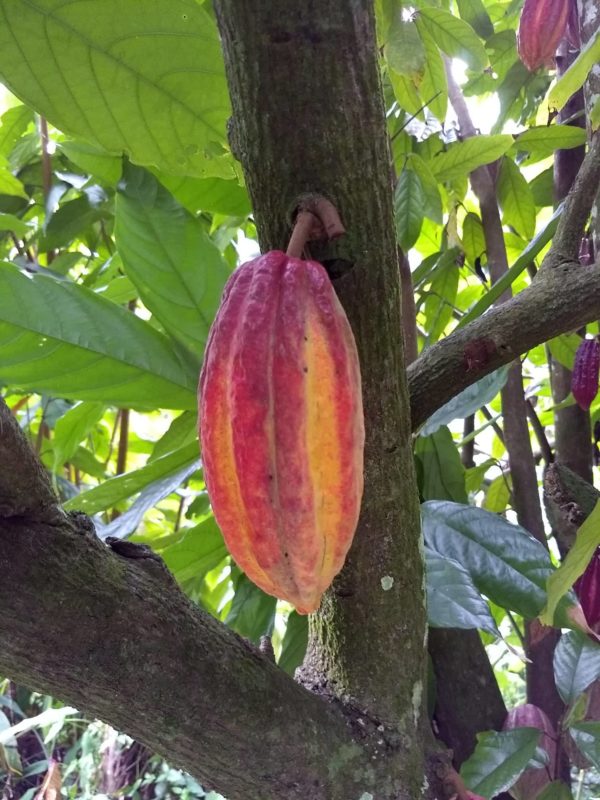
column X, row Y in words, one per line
column 532, row 781
column 587, row 589
column 541, row 27
column 584, row 380
column 281, row 426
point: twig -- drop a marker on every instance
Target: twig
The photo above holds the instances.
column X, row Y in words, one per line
column 540, row 433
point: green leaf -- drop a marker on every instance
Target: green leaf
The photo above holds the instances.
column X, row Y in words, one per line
column 72, row 428
column 109, row 493
column 505, row 563
column 440, row 300
column 473, row 238
column 404, row 50
column 468, row 401
column 576, row 664
column 8, row 222
column 454, row 36
column 575, row 76
column 434, row 84
column 252, row 612
column 497, row 497
column 564, row 347
column 542, row 141
column 452, row 599
column 542, row 188
column 586, row 736
column 406, row 93
column 94, row 160
column 408, row 208
column 69, row 222
column 214, row 195
column 516, row 199
column 556, row 790
column 443, row 472
column 60, row 338
column 461, row 158
column 498, row 760
column 529, row 253
column 199, row 551
column 178, row 271
column 102, row 76
column 576, row 560
column 474, row 12
column 295, row 641
column 182, row 431
column 432, row 207
column 8, row 183
column 13, row 124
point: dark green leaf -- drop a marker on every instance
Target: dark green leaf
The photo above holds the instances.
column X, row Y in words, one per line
column 498, row 760
column 252, row 611
column 443, row 472
column 71, row 220
column 474, row 12
column 505, row 563
column 432, row 207
column 295, row 640
column 586, row 736
column 576, row 664
column 452, row 599
column 542, row 188
column 408, row 208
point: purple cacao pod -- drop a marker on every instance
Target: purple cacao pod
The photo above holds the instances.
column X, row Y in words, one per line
column 584, row 381
column 587, row 589
column 541, row 27
column 533, row 780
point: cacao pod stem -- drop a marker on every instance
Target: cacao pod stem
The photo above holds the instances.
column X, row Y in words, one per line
column 316, row 218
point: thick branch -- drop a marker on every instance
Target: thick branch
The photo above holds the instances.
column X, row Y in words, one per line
column 117, row 638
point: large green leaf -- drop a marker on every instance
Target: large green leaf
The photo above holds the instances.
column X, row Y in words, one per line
column 452, row 599
column 462, row 158
column 576, row 664
column 516, row 199
column 404, row 50
column 199, row 550
column 505, row 563
column 454, row 36
column 109, row 493
column 542, row 141
column 168, row 255
column 434, row 84
column 148, row 81
column 408, row 208
column 61, row 338
column 215, row 195
column 498, row 760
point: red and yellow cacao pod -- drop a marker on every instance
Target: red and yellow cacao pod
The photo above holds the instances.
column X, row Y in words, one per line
column 281, row 426
column 541, row 27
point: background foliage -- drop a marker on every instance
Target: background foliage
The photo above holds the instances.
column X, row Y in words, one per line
column 122, row 213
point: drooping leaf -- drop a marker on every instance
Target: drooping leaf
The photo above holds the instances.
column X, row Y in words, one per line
column 432, row 203
column 13, row 123
column 577, row 559
column 586, row 736
column 497, row 496
column 123, row 98
column 468, row 401
column 120, row 487
column 516, row 199
column 168, row 255
column 443, row 472
column 252, row 612
column 504, row 562
column 295, row 640
column 434, row 85
column 63, row 339
column 408, row 208
column 72, row 427
column 452, row 599
column 498, row 760
column 576, row 664
column 473, row 238
column 441, row 298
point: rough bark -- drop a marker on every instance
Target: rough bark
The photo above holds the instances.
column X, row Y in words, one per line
column 308, row 117
column 117, row 638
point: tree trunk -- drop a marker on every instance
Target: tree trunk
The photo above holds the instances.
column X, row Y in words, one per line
column 308, row 117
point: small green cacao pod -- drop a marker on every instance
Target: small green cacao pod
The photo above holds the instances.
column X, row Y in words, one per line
column 541, row 27
column 584, row 381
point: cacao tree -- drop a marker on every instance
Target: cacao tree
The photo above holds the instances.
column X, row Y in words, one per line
column 146, row 150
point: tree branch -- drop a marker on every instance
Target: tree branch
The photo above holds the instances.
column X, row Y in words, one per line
column 563, row 297
column 116, row 637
